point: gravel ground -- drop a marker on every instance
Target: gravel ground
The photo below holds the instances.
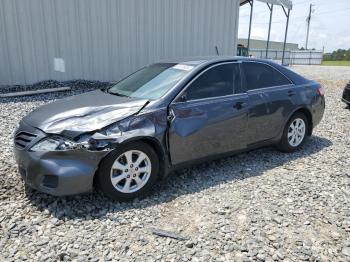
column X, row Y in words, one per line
column 261, row 205
column 75, row 84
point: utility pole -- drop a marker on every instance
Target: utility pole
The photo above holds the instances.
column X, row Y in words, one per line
column 251, row 2
column 285, row 34
column 268, row 34
column 308, row 20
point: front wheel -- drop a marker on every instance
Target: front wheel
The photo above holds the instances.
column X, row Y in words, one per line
column 129, row 171
column 294, row 133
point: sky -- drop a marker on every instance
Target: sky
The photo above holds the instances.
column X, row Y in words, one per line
column 329, row 27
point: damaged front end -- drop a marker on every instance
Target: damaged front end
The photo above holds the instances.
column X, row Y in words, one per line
column 147, row 124
column 54, row 164
column 65, row 163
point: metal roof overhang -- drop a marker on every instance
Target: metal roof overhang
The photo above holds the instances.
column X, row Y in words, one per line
column 285, row 3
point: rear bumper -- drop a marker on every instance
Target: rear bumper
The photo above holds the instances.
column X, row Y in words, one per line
column 346, row 95
column 346, row 101
column 318, row 109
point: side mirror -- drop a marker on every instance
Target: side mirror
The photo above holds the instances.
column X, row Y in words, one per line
column 182, row 98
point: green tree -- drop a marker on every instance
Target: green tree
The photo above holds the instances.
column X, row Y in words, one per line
column 338, row 55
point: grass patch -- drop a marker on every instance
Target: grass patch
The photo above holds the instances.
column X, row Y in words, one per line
column 336, row 63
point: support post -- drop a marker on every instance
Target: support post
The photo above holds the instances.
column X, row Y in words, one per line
column 285, row 35
column 308, row 20
column 268, row 35
column 251, row 2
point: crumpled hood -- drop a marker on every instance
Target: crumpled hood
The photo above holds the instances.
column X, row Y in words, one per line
column 83, row 113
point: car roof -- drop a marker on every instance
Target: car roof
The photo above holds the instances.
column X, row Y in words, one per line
column 213, row 59
column 201, row 62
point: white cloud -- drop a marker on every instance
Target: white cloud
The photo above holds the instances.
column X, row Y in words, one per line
column 329, row 26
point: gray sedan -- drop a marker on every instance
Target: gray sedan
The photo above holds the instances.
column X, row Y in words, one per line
column 165, row 116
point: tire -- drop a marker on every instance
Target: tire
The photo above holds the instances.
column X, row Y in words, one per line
column 287, row 143
column 130, row 178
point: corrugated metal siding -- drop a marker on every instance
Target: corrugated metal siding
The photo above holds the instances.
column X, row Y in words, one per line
column 108, row 39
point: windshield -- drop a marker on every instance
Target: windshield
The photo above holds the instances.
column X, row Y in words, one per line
column 151, row 82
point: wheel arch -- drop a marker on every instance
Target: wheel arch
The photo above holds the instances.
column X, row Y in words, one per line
column 307, row 113
column 154, row 144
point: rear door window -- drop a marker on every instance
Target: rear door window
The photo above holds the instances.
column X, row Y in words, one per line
column 258, row 75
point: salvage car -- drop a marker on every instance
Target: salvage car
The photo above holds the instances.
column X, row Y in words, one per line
column 346, row 94
column 163, row 117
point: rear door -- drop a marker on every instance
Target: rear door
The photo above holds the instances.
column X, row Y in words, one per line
column 272, row 97
column 210, row 115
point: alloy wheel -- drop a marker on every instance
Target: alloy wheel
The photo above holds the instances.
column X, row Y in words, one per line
column 130, row 171
column 296, row 132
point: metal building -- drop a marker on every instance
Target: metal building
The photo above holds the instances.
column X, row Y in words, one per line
column 107, row 39
column 261, row 44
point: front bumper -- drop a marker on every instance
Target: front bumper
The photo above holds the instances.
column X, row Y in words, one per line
column 56, row 172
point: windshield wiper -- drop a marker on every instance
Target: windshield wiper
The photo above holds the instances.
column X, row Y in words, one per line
column 116, row 93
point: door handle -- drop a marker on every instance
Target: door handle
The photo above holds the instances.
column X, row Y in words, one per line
column 239, row 105
column 291, row 93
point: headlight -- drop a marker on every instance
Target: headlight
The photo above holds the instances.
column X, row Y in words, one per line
column 97, row 140
column 54, row 144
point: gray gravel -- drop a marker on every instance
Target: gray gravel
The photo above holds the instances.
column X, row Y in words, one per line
column 75, row 84
column 261, row 206
column 333, row 73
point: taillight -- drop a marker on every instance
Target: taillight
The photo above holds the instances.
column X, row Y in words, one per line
column 321, row 91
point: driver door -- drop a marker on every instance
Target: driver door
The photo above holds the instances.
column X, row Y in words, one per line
column 210, row 117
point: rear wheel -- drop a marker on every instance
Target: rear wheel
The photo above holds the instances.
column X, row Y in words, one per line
column 294, row 133
column 129, row 171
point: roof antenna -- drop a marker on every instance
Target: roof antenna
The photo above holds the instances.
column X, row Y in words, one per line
column 217, row 50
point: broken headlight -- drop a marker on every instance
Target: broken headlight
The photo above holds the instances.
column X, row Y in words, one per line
column 54, row 144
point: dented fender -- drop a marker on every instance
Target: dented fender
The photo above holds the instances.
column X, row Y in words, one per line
column 146, row 125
